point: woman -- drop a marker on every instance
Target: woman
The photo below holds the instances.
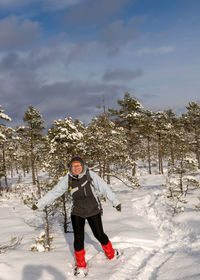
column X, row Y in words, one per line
column 82, row 185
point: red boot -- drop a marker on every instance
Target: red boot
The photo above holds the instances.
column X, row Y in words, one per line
column 109, row 251
column 80, row 258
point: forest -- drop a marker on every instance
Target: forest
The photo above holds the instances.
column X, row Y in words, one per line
column 117, row 143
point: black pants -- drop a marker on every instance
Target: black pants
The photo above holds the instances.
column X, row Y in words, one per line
column 96, row 226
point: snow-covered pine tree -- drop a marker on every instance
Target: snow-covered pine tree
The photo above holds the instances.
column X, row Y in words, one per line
column 12, row 159
column 161, row 129
column 181, row 177
column 192, row 126
column 97, row 141
column 147, row 131
column 173, row 134
column 182, row 165
column 42, row 243
column 128, row 117
column 182, row 172
column 32, row 134
column 106, row 150
column 8, row 132
column 94, row 143
column 3, row 141
column 23, row 159
column 64, row 141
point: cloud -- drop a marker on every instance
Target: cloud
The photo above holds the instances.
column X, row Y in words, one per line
column 118, row 34
column 156, row 51
column 9, row 62
column 73, row 98
column 12, row 5
column 58, row 5
column 149, row 96
column 4, row 4
column 15, row 63
column 93, row 12
column 76, row 98
column 15, row 34
column 122, row 75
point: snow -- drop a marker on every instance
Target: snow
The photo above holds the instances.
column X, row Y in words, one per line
column 4, row 116
column 155, row 245
column 2, row 136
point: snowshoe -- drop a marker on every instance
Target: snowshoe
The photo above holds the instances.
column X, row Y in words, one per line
column 117, row 254
column 80, row 272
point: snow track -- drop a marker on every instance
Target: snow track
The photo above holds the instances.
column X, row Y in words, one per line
column 145, row 261
column 172, row 236
column 128, row 265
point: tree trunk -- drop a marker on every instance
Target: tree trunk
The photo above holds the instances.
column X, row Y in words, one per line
column 104, row 169
column 4, row 169
column 160, row 155
column 32, row 161
column 149, row 153
column 16, row 168
column 38, row 187
column 36, row 172
column 47, row 228
column 11, row 167
column 24, row 171
column 134, row 168
column 198, row 158
column 0, row 187
column 65, row 212
column 197, row 149
column 131, row 139
column 181, row 175
column 134, row 171
column 172, row 150
column 108, row 173
column 100, row 169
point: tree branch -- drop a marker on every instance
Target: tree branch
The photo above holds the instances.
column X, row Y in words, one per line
column 14, row 243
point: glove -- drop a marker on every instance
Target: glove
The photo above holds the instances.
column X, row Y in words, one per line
column 119, row 207
column 34, row 207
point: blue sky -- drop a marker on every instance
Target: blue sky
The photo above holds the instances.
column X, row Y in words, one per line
column 63, row 56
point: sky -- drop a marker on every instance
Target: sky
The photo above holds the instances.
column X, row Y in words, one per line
column 64, row 57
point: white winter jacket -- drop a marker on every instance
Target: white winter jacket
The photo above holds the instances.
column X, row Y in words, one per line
column 62, row 186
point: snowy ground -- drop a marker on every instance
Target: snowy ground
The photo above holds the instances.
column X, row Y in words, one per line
column 154, row 244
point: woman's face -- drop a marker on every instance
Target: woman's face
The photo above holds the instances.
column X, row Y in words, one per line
column 76, row 168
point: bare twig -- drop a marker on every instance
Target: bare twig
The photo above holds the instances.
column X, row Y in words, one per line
column 14, row 243
column 118, row 177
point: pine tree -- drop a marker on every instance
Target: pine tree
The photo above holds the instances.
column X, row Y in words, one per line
column 192, row 126
column 32, row 134
column 106, row 149
column 147, row 131
column 98, row 140
column 161, row 128
column 6, row 148
column 3, row 141
column 22, row 150
column 64, row 139
column 128, row 117
column 180, row 178
column 173, row 133
column 3, row 116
